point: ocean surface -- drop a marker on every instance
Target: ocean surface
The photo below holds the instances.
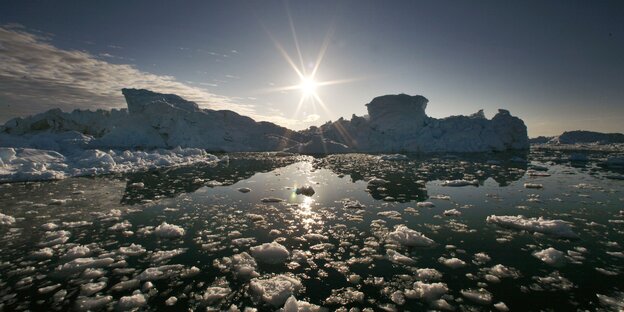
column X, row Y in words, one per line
column 170, row 239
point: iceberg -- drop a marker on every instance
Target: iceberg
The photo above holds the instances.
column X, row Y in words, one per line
column 395, row 123
column 398, row 123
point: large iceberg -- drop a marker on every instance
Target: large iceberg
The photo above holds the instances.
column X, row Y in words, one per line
column 581, row 136
column 398, row 123
column 152, row 120
column 395, row 123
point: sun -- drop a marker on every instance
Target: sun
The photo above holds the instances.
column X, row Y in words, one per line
column 308, row 86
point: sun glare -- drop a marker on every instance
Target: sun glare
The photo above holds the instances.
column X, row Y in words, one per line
column 308, row 86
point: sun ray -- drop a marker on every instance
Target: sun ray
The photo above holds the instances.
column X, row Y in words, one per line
column 321, row 54
column 308, row 84
column 295, row 39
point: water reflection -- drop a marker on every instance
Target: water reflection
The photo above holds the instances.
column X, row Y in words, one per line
column 162, row 183
column 407, row 177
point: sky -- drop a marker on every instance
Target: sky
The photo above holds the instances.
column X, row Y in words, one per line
column 558, row 65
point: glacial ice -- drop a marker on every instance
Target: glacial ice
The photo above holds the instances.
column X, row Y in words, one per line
column 275, row 290
column 26, row 164
column 153, row 120
column 557, row 228
column 272, row 253
column 408, row 237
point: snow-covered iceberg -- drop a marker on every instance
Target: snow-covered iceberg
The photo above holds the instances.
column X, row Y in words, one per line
column 398, row 123
column 154, row 120
column 581, row 136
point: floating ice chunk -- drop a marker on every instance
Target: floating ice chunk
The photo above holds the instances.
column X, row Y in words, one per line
column 550, row 256
column 6, row 219
column 89, row 289
column 161, row 272
column 392, row 214
column 557, row 228
column 127, row 303
column 58, row 202
column 92, row 303
column 132, row 250
column 393, row 157
column 398, row 258
column 169, row 230
column 352, row 204
column 614, row 302
column 122, row 226
column 460, row 183
column 126, row 285
column 43, row 253
column 607, row 272
column 533, row 185
column 480, row 296
column 452, row 212
column 501, row 306
column 48, row 289
column 501, row 271
column 294, row 305
column 244, row 190
column 271, row 200
column 345, row 296
column 306, row 190
column 171, row 301
column 377, row 182
column 408, row 237
column 425, row 204
column 274, row 290
column 428, row 275
column 215, row 293
column 242, row 265
column 77, row 252
column 272, row 253
column 164, row 255
column 440, row 196
column 453, row 263
column 481, row 258
column 441, row 305
column 315, row 236
column 80, row 264
column 49, row 226
column 428, row 292
column 53, row 238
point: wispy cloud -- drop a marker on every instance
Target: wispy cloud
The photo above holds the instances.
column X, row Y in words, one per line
column 36, row 76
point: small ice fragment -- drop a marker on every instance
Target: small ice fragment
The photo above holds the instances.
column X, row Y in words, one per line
column 550, row 256
column 167, row 230
column 306, row 190
column 272, row 253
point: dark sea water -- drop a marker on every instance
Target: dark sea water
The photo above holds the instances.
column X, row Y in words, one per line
column 347, row 263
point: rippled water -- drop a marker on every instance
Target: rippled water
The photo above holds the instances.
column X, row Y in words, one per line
column 350, row 261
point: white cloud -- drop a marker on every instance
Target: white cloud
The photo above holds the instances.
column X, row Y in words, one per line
column 36, row 76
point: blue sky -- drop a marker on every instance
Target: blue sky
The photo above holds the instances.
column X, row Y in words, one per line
column 559, row 65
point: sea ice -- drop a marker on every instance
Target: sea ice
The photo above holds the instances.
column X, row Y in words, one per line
column 272, row 253
column 274, row 290
column 550, row 256
column 167, row 230
column 557, row 228
column 426, row 291
column 408, row 237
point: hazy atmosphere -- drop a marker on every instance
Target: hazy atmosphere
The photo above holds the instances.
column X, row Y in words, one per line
column 558, row 65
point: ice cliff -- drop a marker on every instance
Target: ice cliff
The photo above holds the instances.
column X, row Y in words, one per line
column 581, row 136
column 398, row 123
column 152, row 120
